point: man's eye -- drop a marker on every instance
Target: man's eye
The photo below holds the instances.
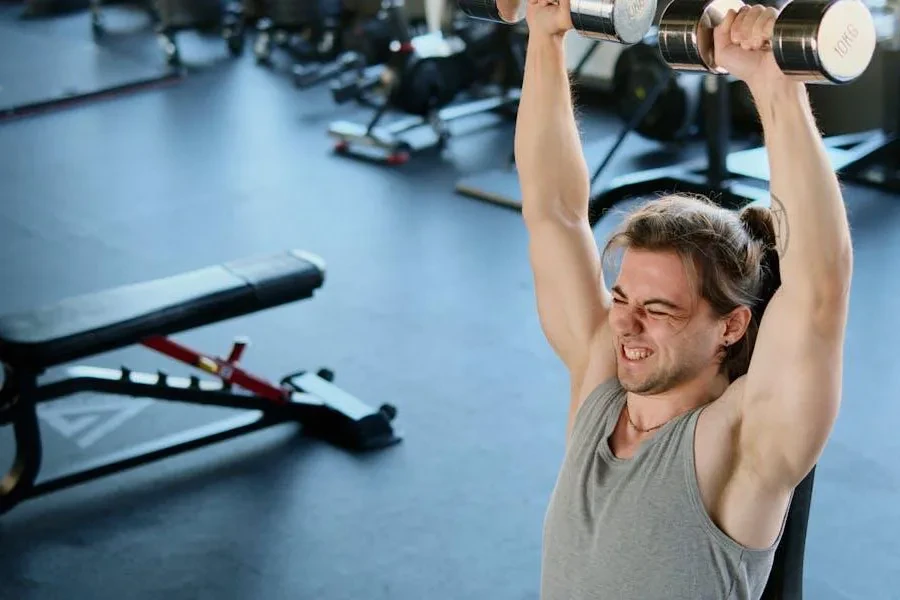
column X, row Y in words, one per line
column 657, row 313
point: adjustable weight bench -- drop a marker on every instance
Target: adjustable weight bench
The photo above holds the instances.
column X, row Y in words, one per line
column 144, row 314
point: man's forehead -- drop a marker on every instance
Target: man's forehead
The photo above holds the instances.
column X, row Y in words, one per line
column 648, row 275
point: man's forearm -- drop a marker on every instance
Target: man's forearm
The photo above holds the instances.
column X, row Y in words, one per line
column 549, row 158
column 807, row 204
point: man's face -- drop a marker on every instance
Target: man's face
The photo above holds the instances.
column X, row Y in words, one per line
column 665, row 335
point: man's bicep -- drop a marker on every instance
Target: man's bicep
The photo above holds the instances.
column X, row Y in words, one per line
column 600, row 367
column 571, row 297
column 793, row 388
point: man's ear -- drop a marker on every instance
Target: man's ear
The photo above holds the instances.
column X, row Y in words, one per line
column 736, row 324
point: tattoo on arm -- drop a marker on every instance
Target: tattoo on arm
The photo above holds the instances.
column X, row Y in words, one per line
column 782, row 227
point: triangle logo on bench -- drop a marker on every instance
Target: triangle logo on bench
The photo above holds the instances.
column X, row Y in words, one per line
column 86, row 424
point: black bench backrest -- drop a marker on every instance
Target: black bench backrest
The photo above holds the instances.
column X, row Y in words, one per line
column 786, row 579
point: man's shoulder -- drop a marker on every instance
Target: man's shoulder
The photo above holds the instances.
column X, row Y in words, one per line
column 598, row 383
column 590, row 402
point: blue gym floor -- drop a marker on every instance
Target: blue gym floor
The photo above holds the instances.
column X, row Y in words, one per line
column 428, row 304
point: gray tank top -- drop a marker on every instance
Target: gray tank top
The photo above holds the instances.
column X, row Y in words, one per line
column 636, row 529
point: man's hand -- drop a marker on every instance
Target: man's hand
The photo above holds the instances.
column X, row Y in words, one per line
column 550, row 17
column 743, row 46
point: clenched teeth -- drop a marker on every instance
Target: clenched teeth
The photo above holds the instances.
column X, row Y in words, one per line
column 636, row 353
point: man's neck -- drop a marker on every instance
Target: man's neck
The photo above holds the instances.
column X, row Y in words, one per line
column 649, row 411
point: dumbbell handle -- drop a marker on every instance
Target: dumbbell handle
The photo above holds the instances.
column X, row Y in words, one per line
column 813, row 40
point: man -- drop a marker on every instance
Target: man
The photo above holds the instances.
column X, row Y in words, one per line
column 706, row 381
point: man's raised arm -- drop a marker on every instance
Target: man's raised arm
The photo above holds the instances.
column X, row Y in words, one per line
column 793, row 386
column 572, row 301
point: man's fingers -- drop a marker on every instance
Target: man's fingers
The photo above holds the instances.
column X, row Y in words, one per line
column 753, row 27
column 763, row 28
column 748, row 28
column 746, row 21
column 722, row 33
column 738, row 24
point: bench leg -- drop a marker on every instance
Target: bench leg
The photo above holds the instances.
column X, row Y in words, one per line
column 18, row 407
column 157, row 450
column 324, row 411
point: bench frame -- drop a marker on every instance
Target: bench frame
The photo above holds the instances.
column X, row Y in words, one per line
column 324, row 410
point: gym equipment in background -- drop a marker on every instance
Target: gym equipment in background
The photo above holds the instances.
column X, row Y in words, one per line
column 145, row 313
column 710, row 177
column 424, row 79
column 96, row 10
column 52, row 8
column 875, row 159
column 171, row 17
column 309, row 74
column 685, row 41
column 675, row 115
column 501, row 186
column 684, row 36
column 870, row 157
column 364, row 41
column 309, row 31
column 181, row 15
column 306, row 29
column 49, row 71
column 620, row 22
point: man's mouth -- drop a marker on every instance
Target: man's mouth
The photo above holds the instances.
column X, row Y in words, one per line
column 636, row 353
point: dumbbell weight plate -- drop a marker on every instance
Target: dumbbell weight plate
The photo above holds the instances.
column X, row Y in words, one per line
column 686, row 33
column 824, row 41
column 622, row 21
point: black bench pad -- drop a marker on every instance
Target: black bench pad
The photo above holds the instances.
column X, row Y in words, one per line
column 86, row 325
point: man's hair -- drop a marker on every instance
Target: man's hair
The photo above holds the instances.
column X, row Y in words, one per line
column 730, row 255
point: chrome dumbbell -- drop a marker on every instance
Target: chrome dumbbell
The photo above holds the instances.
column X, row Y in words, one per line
column 815, row 41
column 622, row 21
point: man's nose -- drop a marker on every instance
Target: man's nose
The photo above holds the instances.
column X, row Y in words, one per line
column 626, row 321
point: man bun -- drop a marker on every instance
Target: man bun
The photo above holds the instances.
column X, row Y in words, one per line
column 760, row 226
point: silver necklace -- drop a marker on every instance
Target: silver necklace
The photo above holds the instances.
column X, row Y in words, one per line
column 628, row 416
